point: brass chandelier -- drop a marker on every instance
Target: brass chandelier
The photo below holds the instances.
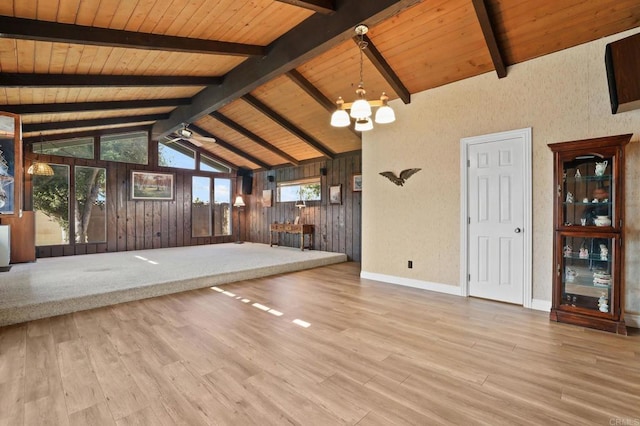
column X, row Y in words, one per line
column 361, row 108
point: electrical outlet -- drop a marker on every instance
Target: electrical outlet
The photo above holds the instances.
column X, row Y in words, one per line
column 410, row 264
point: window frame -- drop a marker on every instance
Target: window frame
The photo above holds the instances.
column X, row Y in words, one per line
column 299, row 182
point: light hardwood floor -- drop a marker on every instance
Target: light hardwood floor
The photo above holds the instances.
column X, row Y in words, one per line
column 374, row 354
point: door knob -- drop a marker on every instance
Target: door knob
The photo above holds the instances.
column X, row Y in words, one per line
column 517, row 230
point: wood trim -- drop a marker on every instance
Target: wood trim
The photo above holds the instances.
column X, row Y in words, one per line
column 95, row 80
column 31, row 29
column 325, row 7
column 59, row 125
column 280, row 120
column 229, row 147
column 93, row 106
column 383, row 67
column 255, row 138
column 490, row 37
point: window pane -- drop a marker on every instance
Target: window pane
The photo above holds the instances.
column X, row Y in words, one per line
column 208, row 164
column 175, row 155
column 308, row 190
column 222, row 206
column 77, row 147
column 51, row 204
column 91, row 199
column 126, row 148
column 200, row 206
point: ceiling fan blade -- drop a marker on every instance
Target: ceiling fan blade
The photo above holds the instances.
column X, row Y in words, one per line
column 200, row 140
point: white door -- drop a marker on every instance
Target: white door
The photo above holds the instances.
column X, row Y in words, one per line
column 496, row 188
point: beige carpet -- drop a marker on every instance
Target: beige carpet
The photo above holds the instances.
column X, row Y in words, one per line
column 61, row 285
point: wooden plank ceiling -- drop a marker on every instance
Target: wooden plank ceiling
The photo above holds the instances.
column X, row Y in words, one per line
column 262, row 76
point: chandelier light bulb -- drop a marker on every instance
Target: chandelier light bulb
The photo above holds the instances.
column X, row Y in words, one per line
column 364, row 124
column 340, row 118
column 385, row 115
column 360, row 109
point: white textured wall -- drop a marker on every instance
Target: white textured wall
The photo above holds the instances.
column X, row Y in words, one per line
column 562, row 97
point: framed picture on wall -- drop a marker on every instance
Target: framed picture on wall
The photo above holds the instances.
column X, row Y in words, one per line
column 267, row 197
column 152, row 186
column 335, row 194
column 357, row 183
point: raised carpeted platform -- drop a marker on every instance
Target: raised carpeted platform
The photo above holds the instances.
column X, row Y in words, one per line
column 62, row 285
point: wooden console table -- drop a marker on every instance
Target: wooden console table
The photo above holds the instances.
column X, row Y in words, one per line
column 288, row 228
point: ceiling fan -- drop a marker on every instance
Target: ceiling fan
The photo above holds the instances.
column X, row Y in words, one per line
column 185, row 134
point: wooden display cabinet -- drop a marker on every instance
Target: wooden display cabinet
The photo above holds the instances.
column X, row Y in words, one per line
column 588, row 250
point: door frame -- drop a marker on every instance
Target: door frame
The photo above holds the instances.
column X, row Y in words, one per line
column 525, row 136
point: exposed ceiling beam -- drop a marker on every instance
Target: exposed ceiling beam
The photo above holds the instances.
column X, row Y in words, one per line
column 385, row 69
column 320, row 6
column 229, row 147
column 95, row 80
column 94, row 122
column 31, row 29
column 283, row 122
column 316, row 94
column 255, row 138
column 93, row 106
column 311, row 90
column 313, row 36
column 490, row 37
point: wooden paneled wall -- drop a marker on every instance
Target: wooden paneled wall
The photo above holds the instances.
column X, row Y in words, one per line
column 134, row 225
column 137, row 225
column 337, row 226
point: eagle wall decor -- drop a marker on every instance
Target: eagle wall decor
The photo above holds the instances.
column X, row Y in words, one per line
column 404, row 175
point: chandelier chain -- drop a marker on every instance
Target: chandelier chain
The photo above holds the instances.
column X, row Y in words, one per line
column 362, row 45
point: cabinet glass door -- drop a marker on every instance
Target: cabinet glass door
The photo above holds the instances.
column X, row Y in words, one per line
column 587, row 272
column 587, row 192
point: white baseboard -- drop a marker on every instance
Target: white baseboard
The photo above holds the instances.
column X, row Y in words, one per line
column 409, row 282
column 541, row 305
column 632, row 320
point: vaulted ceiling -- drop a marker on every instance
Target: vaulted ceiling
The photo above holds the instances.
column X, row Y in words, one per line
column 262, row 76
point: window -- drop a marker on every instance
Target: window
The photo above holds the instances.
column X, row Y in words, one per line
column 91, row 198
column 307, row 189
column 51, row 204
column 173, row 154
column 125, row 148
column 51, row 195
column 77, row 148
column 202, row 210
column 222, row 206
column 200, row 206
column 208, row 164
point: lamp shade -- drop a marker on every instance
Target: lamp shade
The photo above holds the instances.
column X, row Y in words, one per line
column 40, row 169
column 385, row 115
column 300, row 204
column 360, row 109
column 239, row 202
column 340, row 118
column 364, row 124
